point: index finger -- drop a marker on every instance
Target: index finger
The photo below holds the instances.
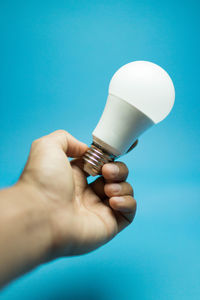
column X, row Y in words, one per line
column 115, row 172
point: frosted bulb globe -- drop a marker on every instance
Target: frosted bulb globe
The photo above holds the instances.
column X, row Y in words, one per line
column 141, row 94
column 146, row 86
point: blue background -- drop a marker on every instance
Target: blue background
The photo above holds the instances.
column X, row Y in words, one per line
column 57, row 58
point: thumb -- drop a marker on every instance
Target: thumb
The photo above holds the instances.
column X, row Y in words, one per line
column 70, row 145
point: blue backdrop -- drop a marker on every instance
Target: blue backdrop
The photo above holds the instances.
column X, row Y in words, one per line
column 57, row 58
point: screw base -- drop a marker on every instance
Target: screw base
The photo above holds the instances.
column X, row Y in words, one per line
column 95, row 158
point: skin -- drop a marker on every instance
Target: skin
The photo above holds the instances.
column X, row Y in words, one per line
column 52, row 211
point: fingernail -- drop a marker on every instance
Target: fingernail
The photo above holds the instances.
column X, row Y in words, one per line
column 116, row 188
column 114, row 169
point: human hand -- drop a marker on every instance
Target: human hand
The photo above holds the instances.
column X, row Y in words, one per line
column 82, row 216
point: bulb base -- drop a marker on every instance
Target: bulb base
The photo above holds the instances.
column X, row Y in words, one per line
column 94, row 159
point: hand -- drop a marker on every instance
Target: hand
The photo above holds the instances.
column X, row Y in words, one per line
column 82, row 216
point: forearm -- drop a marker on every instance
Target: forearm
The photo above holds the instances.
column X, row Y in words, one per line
column 25, row 232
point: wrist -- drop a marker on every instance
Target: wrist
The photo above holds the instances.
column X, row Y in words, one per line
column 31, row 218
column 24, row 229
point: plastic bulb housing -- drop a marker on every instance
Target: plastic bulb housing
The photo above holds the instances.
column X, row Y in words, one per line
column 141, row 94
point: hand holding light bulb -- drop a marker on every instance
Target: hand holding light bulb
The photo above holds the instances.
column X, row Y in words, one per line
column 141, row 94
column 55, row 211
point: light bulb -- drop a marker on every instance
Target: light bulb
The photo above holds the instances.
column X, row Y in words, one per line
column 141, row 94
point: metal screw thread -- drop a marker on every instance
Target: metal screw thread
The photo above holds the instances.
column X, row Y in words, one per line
column 95, row 158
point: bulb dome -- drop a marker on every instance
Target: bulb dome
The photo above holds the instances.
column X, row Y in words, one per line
column 146, row 86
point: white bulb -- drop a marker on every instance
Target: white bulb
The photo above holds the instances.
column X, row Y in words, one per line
column 146, row 86
column 141, row 94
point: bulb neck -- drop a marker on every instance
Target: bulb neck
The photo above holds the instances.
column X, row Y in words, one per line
column 94, row 159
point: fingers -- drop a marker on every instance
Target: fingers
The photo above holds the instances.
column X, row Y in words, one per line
column 61, row 138
column 124, row 210
column 125, row 204
column 118, row 189
column 121, row 200
column 115, row 192
column 120, row 193
column 115, row 172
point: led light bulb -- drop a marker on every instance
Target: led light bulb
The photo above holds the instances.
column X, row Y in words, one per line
column 141, row 94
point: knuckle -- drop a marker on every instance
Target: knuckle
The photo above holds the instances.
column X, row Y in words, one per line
column 123, row 168
column 62, row 135
column 38, row 142
column 122, row 164
column 109, row 190
column 131, row 201
column 35, row 143
column 61, row 132
column 130, row 188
